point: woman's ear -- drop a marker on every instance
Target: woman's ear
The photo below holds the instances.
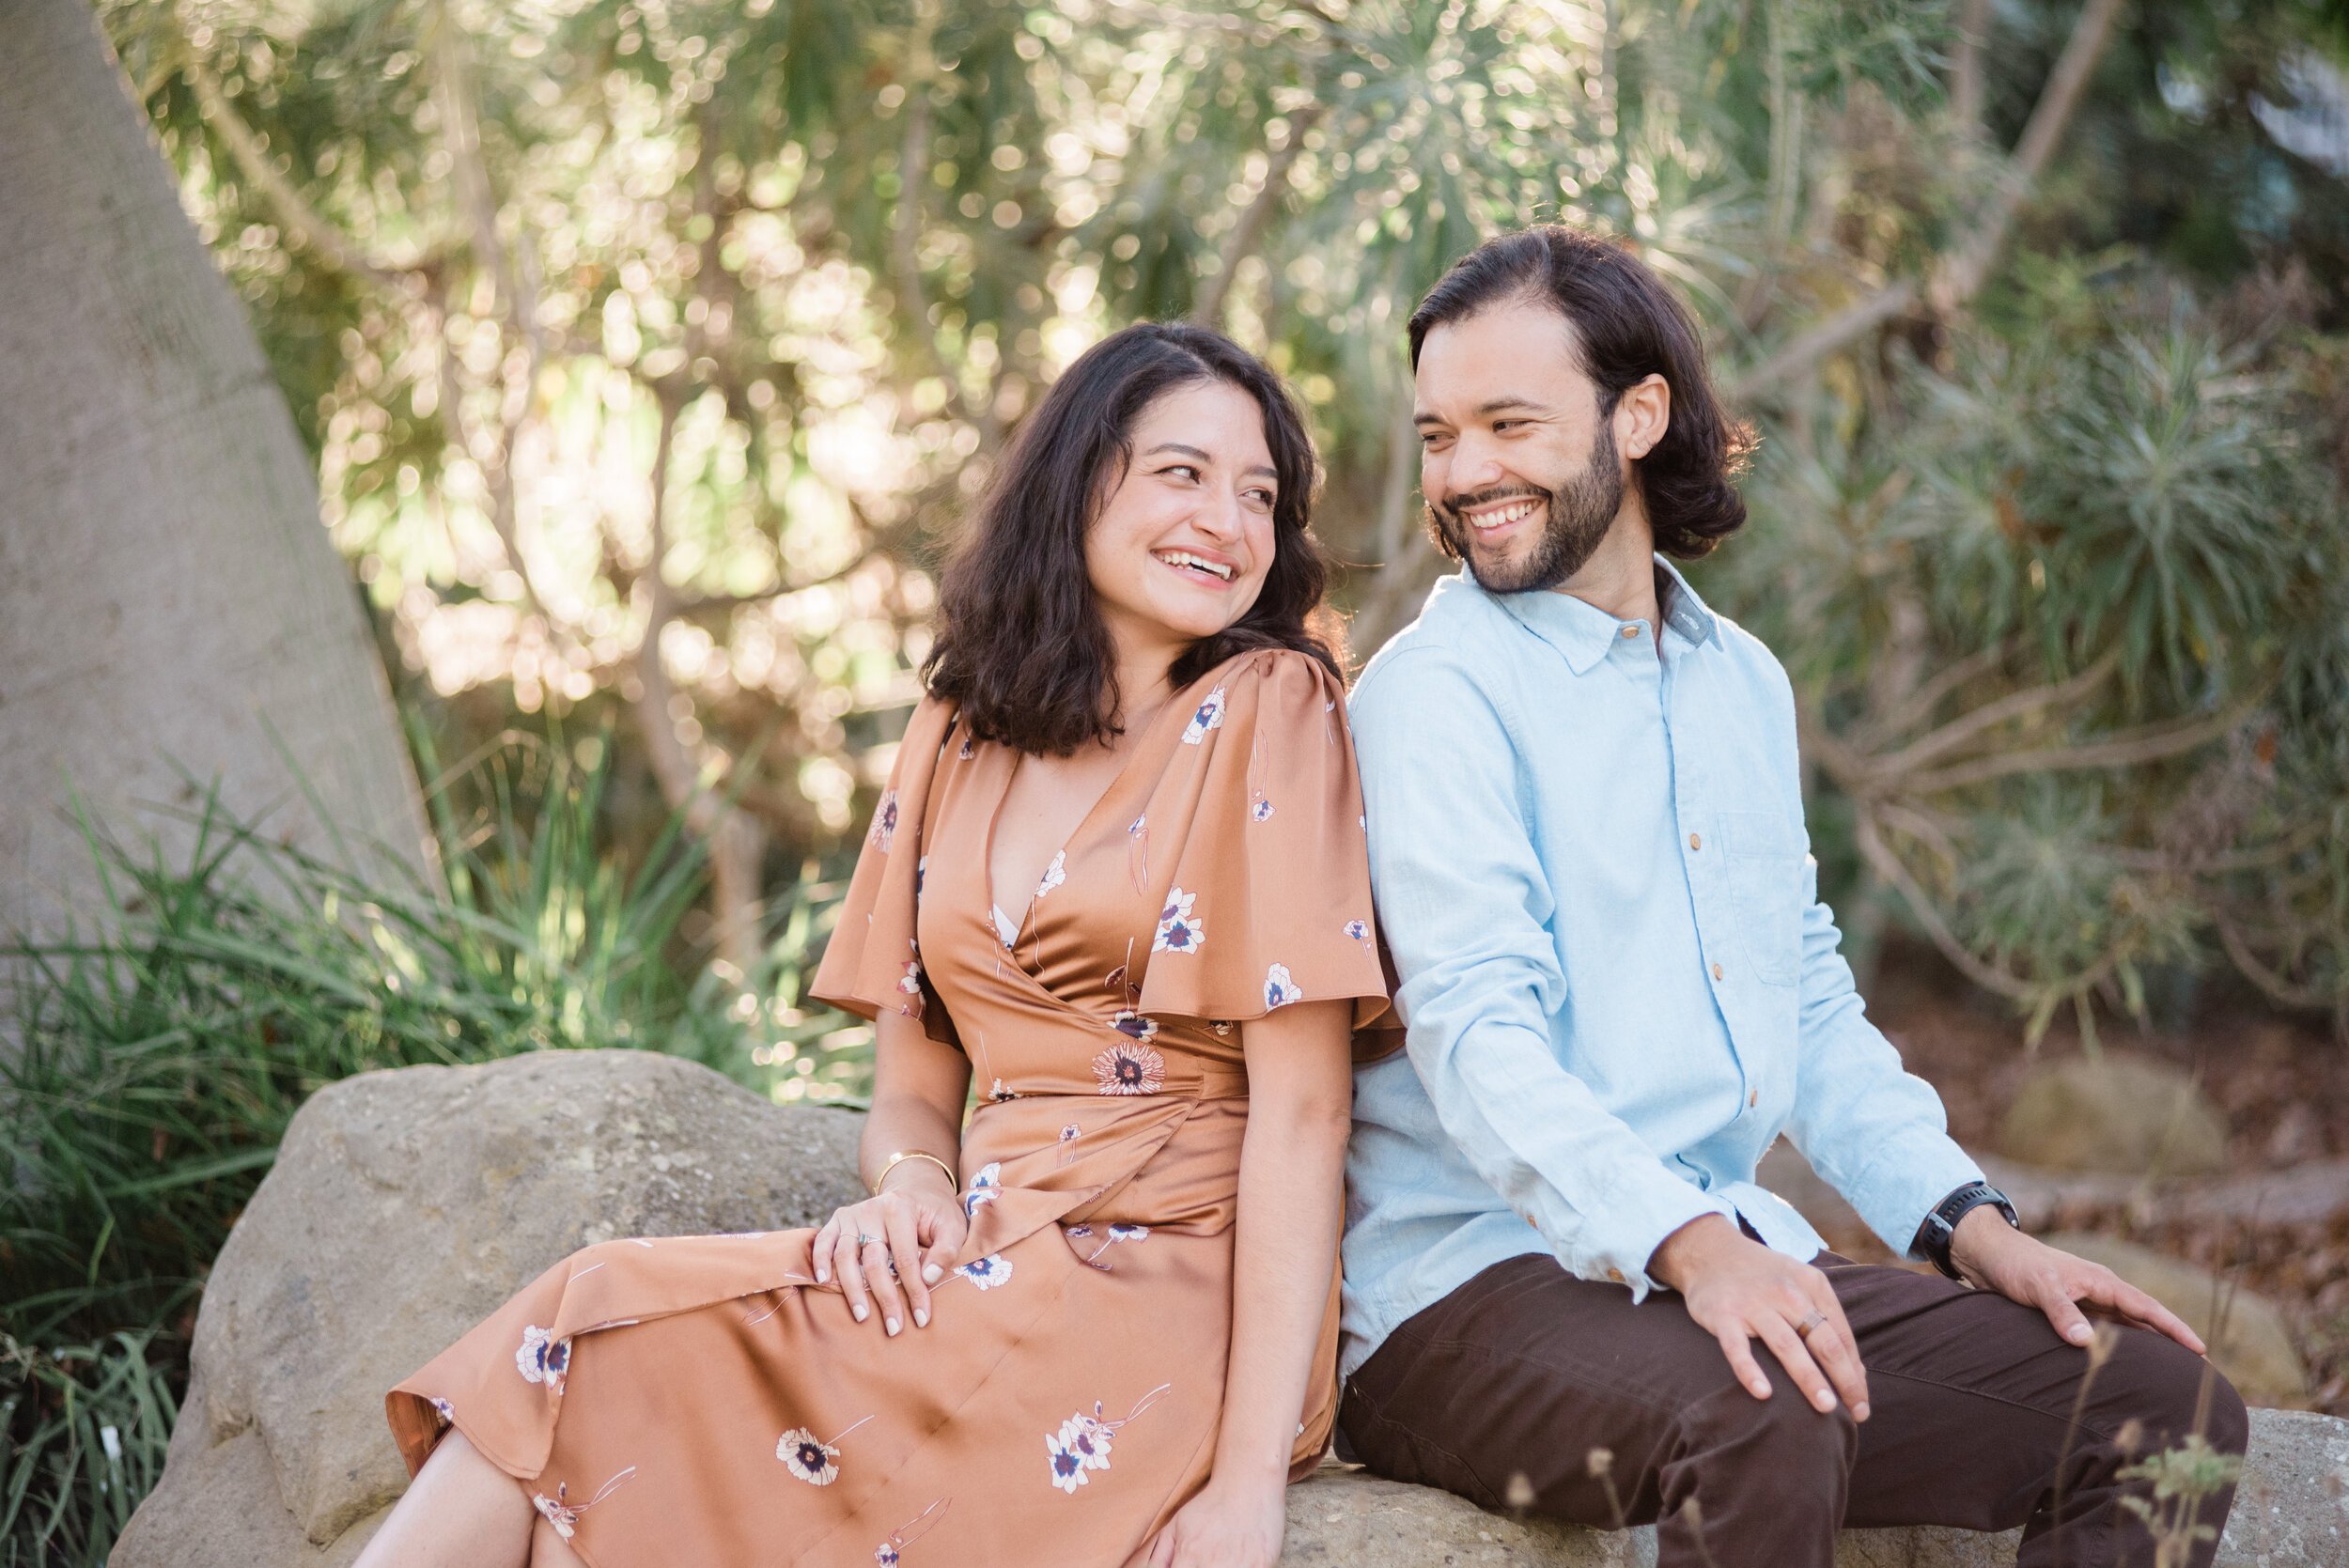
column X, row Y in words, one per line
column 1643, row 413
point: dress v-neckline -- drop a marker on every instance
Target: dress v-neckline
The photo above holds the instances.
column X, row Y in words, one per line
column 999, row 919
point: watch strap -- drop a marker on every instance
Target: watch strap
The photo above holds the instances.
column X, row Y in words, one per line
column 1940, row 1227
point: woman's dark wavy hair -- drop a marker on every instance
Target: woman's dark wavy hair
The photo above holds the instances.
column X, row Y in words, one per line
column 1020, row 648
column 1628, row 325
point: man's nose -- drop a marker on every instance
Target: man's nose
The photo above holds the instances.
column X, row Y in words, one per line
column 1476, row 464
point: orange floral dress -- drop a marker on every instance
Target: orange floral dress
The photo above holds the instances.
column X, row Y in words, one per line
column 702, row 1399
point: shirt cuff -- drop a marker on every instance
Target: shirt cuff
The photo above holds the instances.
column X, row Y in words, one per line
column 1903, row 1184
column 1639, row 1218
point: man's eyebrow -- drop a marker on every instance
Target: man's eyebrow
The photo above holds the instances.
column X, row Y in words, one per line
column 1490, row 405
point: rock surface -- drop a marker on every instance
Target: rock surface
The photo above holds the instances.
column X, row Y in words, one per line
column 2245, row 1331
column 405, row 1205
column 2121, row 1113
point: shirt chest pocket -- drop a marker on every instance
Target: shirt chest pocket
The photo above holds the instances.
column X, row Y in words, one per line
column 1766, row 877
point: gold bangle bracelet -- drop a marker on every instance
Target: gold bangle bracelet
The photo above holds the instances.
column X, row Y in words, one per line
column 902, row 1155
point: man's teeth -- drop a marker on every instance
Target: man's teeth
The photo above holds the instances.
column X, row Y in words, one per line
column 1499, row 516
column 1183, row 558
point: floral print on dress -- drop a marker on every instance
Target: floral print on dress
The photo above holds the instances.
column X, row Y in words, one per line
column 1358, row 930
column 1054, row 874
column 889, row 1552
column 1179, row 931
column 543, row 1361
column 558, row 1512
column 442, row 1409
column 1209, row 717
column 885, row 830
column 988, row 1272
column 1082, row 1446
column 1279, row 988
column 1117, row 1231
column 984, row 1188
column 1135, row 1026
column 809, row 1457
column 1129, row 1068
column 1261, row 811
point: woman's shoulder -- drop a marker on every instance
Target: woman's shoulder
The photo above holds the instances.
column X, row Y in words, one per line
column 1273, row 679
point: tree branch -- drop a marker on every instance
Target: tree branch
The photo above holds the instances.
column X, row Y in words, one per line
column 1960, row 276
column 1959, row 731
column 1965, row 79
column 1247, row 233
column 301, row 219
column 1965, row 274
column 2128, row 749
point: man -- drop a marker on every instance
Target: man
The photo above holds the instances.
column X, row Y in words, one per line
column 1587, row 849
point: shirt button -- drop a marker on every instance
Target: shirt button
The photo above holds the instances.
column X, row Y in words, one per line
column 1696, row 841
column 1717, row 971
column 1631, row 631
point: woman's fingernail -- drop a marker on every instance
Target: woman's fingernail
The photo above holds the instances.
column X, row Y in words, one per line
column 823, row 1276
column 931, row 1275
column 920, row 1318
column 2077, row 1333
column 890, row 1325
column 859, row 1311
column 1823, row 1400
column 1860, row 1412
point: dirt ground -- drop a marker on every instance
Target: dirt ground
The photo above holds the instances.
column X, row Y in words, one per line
column 2281, row 1083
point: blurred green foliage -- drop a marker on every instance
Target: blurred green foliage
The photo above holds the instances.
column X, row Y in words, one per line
column 651, row 348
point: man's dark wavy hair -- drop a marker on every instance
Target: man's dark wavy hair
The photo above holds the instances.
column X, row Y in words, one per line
column 1628, row 325
column 1020, row 648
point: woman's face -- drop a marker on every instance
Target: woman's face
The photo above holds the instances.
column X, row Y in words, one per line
column 1182, row 544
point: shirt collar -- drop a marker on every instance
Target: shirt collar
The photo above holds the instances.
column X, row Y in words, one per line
column 1582, row 632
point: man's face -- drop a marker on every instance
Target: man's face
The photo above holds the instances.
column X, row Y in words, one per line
column 1518, row 467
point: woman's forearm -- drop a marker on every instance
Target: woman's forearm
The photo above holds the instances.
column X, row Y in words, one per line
column 1291, row 1207
column 918, row 1089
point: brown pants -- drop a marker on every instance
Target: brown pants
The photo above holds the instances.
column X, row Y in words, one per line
column 1529, row 1388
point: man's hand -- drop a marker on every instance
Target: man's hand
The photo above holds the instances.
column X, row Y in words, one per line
column 1739, row 1291
column 1995, row 1255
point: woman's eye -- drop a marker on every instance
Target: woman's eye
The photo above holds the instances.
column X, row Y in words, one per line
column 1262, row 498
column 1186, row 470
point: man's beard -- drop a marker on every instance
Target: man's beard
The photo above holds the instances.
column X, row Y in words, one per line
column 1579, row 513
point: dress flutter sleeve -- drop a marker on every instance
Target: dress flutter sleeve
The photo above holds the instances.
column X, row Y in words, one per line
column 1270, row 899
column 874, row 959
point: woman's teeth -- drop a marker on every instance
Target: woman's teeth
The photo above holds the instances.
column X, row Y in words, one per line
column 1183, row 558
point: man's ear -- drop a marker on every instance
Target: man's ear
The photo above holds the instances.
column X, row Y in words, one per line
column 1643, row 413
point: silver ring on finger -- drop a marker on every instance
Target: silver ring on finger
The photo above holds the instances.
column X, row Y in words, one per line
column 1802, row 1329
column 862, row 1240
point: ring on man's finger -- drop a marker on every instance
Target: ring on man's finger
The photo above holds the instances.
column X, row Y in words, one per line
column 1802, row 1329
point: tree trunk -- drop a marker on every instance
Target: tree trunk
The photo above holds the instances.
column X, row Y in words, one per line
column 173, row 617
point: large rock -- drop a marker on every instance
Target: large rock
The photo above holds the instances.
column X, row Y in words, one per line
column 2123, row 1112
column 2244, row 1330
column 405, row 1205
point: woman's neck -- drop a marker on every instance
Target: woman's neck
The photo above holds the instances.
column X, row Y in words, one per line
column 1143, row 681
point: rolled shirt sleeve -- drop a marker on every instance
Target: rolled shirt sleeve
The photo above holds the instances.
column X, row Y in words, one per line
column 1468, row 916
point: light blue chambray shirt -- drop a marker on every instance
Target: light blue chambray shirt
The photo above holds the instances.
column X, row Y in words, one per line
column 1591, row 871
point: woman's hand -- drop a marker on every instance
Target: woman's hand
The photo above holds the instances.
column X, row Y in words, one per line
column 1228, row 1525
column 894, row 1246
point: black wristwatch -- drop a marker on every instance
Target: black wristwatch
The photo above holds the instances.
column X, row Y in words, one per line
column 1940, row 1226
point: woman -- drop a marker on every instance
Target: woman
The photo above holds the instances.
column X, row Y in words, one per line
column 1118, row 881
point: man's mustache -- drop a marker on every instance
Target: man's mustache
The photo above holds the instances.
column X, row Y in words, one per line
column 1455, row 506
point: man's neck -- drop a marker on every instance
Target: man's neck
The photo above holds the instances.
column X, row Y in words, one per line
column 1620, row 576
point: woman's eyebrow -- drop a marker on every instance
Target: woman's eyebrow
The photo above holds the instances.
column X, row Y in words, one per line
column 1179, row 446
